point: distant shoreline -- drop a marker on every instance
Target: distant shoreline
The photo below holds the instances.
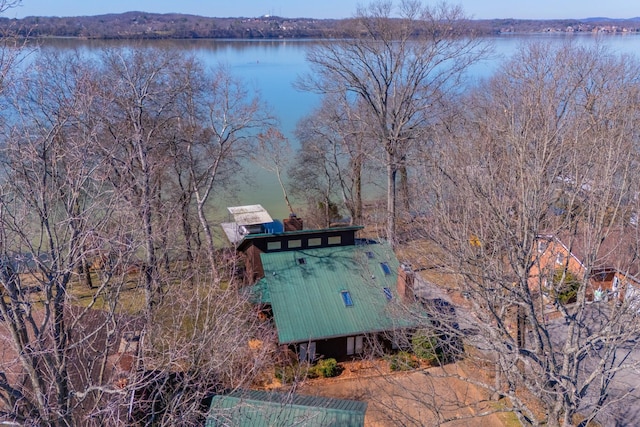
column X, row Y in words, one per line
column 312, row 39
column 150, row 26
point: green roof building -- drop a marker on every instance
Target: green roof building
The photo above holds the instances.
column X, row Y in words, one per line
column 252, row 408
column 329, row 293
column 332, row 292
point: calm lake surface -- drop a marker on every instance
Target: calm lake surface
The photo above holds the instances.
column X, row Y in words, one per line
column 271, row 66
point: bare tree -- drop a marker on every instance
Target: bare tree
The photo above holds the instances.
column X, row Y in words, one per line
column 205, row 340
column 334, row 138
column 399, row 68
column 68, row 198
column 313, row 179
column 55, row 206
column 10, row 47
column 139, row 100
column 221, row 126
column 546, row 154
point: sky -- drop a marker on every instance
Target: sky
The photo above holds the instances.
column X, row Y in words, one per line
column 478, row 9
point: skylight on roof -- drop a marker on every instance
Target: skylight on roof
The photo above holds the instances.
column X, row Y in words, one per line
column 370, row 255
column 385, row 268
column 302, row 261
column 388, row 294
column 346, row 297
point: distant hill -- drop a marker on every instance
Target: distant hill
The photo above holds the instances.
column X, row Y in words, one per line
column 603, row 20
column 142, row 25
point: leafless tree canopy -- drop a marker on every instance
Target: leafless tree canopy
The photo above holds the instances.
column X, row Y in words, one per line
column 396, row 73
column 117, row 308
column 525, row 194
column 545, row 153
column 520, row 197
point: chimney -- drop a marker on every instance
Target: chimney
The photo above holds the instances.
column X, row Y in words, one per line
column 126, row 360
column 293, row 223
column 405, row 282
column 129, row 342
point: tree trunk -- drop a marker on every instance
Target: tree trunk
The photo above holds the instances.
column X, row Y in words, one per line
column 152, row 288
column 60, row 339
column 357, row 184
column 391, row 200
column 187, row 231
column 84, row 271
column 209, row 239
column 404, row 188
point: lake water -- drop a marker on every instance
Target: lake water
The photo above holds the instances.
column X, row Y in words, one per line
column 271, row 66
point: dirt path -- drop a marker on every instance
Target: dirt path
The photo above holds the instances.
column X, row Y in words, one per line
column 425, row 397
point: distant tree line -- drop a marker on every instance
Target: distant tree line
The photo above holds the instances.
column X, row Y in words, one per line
column 142, row 25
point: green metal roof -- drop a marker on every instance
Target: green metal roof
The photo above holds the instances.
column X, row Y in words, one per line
column 305, row 289
column 255, row 408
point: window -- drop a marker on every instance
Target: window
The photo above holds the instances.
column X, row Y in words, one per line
column 351, row 346
column 316, row 241
column 355, row 345
column 542, row 245
column 334, row 240
column 387, row 293
column 385, row 268
column 294, row 244
column 346, row 297
column 307, row 352
column 272, row 246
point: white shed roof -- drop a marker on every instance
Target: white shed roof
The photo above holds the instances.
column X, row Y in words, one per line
column 250, row 215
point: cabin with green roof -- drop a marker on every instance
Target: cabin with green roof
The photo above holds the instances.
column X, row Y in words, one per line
column 329, row 293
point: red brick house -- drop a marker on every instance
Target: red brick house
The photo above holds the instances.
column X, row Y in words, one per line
column 612, row 263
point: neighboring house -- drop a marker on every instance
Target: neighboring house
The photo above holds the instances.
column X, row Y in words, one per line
column 614, row 267
column 552, row 257
column 262, row 408
column 328, row 292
